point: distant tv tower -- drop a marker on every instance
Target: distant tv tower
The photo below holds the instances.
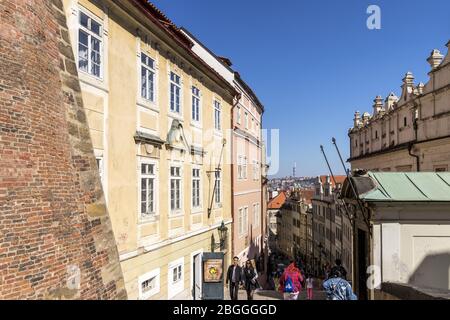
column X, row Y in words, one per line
column 293, row 169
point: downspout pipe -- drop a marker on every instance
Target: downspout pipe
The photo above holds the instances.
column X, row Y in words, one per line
column 411, row 145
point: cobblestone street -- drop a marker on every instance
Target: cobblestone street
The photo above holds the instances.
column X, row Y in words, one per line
column 274, row 295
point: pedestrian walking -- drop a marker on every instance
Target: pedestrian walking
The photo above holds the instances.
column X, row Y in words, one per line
column 234, row 278
column 309, row 286
column 290, row 282
column 250, row 279
column 338, row 288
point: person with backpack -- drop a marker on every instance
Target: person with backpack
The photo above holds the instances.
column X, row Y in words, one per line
column 291, row 282
column 338, row 288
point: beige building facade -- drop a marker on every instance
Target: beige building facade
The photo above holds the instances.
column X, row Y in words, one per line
column 158, row 117
column 332, row 228
column 410, row 132
column 247, row 159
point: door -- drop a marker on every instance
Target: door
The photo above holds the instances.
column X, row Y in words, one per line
column 197, row 281
column 362, row 264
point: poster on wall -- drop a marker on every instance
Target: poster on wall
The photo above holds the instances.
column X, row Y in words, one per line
column 212, row 270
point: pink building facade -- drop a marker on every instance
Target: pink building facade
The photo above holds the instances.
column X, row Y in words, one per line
column 248, row 200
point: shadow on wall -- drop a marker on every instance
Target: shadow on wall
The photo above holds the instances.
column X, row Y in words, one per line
column 433, row 272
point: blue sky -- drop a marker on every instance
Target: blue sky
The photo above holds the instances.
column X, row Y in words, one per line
column 313, row 63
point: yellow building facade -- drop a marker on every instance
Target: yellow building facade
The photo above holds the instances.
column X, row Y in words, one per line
column 158, row 118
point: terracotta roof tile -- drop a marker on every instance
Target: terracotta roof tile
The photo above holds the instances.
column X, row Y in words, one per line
column 278, row 201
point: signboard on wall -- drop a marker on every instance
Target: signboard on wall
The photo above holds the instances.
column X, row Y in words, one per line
column 213, row 276
column 213, row 270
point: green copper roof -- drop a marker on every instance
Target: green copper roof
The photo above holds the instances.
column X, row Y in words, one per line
column 409, row 186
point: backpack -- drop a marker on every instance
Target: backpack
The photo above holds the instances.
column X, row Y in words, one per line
column 288, row 285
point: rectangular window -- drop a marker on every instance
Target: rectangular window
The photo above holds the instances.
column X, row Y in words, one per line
column 241, row 221
column 99, row 161
column 255, row 170
column 195, row 104
column 149, row 284
column 245, row 218
column 246, row 120
column 404, row 122
column 147, row 77
column 89, row 45
column 256, row 214
column 175, row 188
column 177, row 273
column 147, row 189
column 238, row 117
column 217, row 115
column 244, row 167
column 442, row 168
column 175, row 93
column 217, row 193
column 195, row 188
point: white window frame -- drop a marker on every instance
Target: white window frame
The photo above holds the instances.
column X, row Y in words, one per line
column 256, row 214
column 217, row 110
column 99, row 162
column 244, row 167
column 199, row 179
column 218, row 189
column 147, row 69
column 90, row 34
column 147, row 276
column 179, row 210
column 241, row 220
column 238, row 116
column 246, row 120
column 180, row 86
column 174, row 288
column 255, row 170
column 142, row 216
column 245, row 220
column 196, row 97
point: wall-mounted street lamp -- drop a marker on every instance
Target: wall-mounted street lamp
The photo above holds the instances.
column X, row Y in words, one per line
column 222, row 230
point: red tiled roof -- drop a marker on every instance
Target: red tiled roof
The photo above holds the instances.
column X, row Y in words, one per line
column 278, row 201
column 161, row 20
column 166, row 22
column 339, row 179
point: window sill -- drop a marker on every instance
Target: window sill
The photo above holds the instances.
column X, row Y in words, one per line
column 175, row 115
column 150, row 105
column 196, row 210
column 150, row 218
column 196, row 124
column 176, row 214
column 89, row 79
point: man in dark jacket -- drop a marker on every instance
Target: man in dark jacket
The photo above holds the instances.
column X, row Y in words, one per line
column 340, row 268
column 234, row 278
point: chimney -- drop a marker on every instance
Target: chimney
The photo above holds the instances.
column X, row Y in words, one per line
column 378, row 105
column 365, row 118
column 420, row 87
column 408, row 85
column 390, row 100
column 435, row 58
column 357, row 120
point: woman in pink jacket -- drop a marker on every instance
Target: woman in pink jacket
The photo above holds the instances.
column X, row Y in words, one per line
column 291, row 282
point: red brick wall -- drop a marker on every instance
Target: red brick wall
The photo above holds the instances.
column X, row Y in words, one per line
column 56, row 240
